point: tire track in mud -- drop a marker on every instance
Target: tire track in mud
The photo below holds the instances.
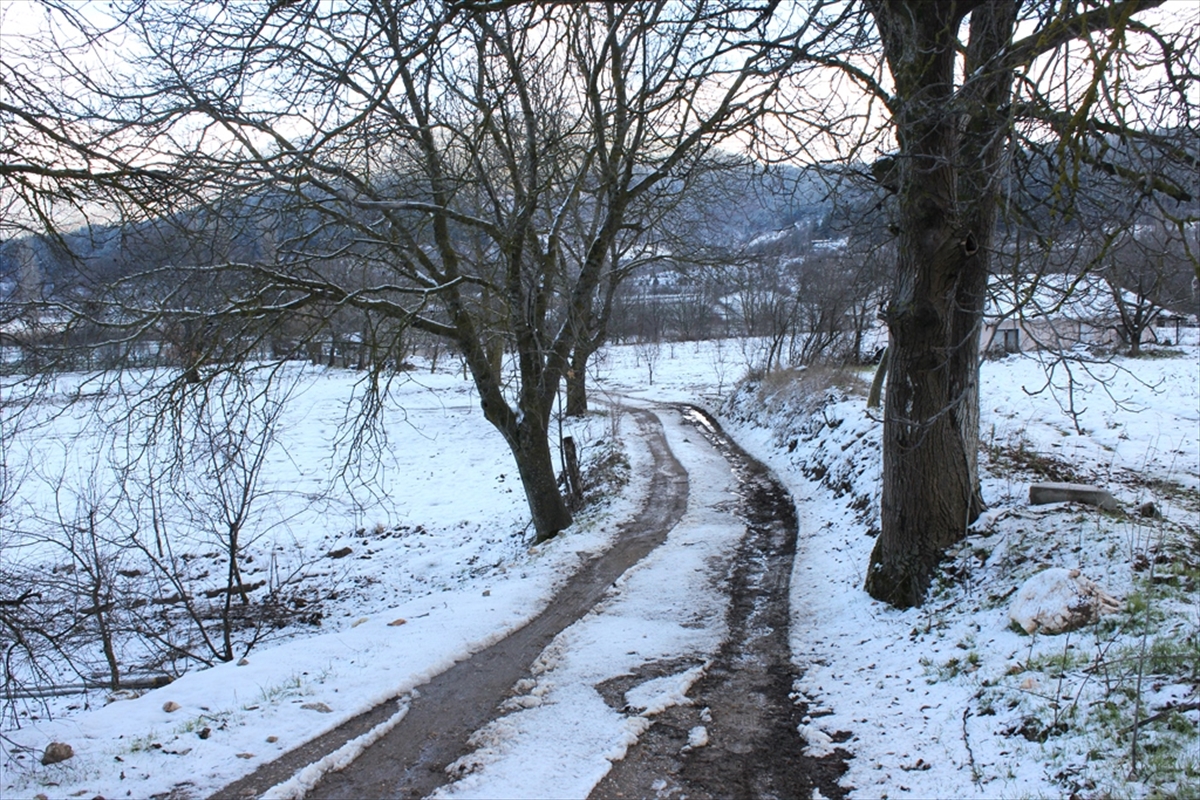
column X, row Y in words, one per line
column 410, row 760
column 744, row 702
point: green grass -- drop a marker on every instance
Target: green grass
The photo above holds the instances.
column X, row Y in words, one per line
column 292, row 687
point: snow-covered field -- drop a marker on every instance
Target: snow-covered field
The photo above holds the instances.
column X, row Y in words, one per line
column 947, row 700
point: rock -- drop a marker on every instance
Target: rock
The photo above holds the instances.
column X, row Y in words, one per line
column 341, row 552
column 1042, row 493
column 1057, row 600
column 171, row 706
column 272, row 739
column 243, row 662
column 244, row 755
column 204, row 733
column 1148, row 510
column 57, row 752
column 320, row 707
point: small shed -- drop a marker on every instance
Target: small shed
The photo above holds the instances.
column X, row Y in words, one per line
column 1057, row 311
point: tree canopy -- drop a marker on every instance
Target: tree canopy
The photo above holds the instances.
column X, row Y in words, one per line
column 487, row 172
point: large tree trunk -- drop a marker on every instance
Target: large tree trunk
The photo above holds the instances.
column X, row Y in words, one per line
column 526, row 429
column 945, row 218
column 530, row 447
column 982, row 168
column 528, row 439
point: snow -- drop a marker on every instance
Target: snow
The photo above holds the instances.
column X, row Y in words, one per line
column 697, row 737
column 1057, row 600
column 929, row 696
column 948, row 700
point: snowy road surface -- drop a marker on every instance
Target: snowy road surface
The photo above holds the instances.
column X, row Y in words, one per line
column 523, row 719
column 946, row 700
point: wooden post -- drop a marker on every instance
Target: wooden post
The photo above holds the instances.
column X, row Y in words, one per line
column 574, row 478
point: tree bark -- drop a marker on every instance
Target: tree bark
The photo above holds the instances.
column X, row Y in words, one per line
column 525, row 429
column 946, row 213
column 530, row 445
column 577, row 402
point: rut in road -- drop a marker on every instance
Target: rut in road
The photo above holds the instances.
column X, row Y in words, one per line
column 744, row 703
column 410, row 760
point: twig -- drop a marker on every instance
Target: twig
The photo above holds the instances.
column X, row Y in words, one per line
column 1160, row 715
column 975, row 776
column 153, row 682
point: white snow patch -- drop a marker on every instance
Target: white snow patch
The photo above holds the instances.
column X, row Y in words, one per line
column 697, row 737
column 658, row 694
column 1059, row 599
column 817, row 742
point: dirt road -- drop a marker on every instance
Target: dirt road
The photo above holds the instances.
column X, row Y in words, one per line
column 743, row 702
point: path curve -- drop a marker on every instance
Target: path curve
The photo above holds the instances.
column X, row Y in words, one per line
column 744, row 704
column 410, row 760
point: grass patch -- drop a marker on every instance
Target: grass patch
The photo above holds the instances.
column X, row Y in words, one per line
column 292, row 687
column 1021, row 458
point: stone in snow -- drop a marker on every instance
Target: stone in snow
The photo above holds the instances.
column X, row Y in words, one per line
column 1057, row 600
column 1043, row 493
column 318, row 707
column 56, row 752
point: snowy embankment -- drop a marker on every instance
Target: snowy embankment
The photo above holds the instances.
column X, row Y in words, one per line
column 951, row 699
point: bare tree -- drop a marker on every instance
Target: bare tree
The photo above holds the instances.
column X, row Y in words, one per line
column 477, row 168
column 965, row 79
column 449, row 153
column 1143, row 270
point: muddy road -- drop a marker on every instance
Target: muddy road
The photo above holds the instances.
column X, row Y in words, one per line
column 742, row 709
column 742, row 706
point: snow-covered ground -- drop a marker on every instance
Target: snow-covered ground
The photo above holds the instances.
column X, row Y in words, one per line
column 947, row 700
column 951, row 700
